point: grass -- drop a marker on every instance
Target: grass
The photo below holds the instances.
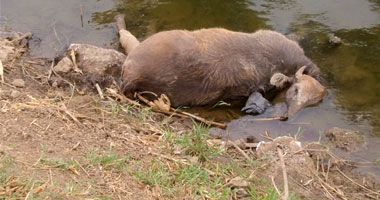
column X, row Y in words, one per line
column 5, row 163
column 193, row 177
column 107, row 160
column 196, row 176
column 194, row 143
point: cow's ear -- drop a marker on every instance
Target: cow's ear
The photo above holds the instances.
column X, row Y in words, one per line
column 280, row 80
column 300, row 72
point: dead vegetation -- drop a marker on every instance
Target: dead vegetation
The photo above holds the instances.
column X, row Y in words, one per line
column 63, row 141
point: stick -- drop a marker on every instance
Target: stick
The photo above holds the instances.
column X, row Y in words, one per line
column 2, row 71
column 270, row 119
column 285, row 196
column 220, row 125
column 180, row 113
column 64, row 109
column 121, row 97
column 239, row 149
column 75, row 66
column 373, row 192
column 99, row 91
column 275, row 186
column 51, row 70
column 80, row 166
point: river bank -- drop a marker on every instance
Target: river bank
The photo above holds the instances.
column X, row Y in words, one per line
column 62, row 139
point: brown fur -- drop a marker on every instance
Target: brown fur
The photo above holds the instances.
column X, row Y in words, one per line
column 208, row 65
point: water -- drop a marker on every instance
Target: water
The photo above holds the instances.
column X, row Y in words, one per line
column 351, row 70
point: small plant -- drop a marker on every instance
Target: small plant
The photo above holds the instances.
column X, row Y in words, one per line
column 115, row 109
column 57, row 163
column 299, row 133
column 5, row 163
column 155, row 175
column 195, row 143
column 110, row 159
column 221, row 103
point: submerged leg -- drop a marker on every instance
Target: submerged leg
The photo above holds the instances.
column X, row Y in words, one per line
column 256, row 104
column 127, row 40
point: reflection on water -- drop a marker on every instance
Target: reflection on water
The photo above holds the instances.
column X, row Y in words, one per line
column 351, row 70
column 144, row 18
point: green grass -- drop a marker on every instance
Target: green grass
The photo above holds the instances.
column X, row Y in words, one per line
column 187, row 177
column 5, row 163
column 107, row 160
column 64, row 164
column 195, row 144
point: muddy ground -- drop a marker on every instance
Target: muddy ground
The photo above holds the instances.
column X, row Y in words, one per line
column 63, row 141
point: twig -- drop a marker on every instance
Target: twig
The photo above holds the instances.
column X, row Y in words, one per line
column 371, row 191
column 270, row 119
column 220, row 125
column 173, row 112
column 121, row 97
column 267, row 136
column 99, row 91
column 2, row 71
column 56, row 35
column 27, row 195
column 50, row 70
column 285, row 196
column 239, row 149
column 64, row 109
column 323, row 184
column 329, row 195
column 328, row 169
column 75, row 66
column 10, row 85
column 75, row 146
column 80, row 166
column 275, row 186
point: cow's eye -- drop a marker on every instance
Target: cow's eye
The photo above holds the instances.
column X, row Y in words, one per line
column 296, row 90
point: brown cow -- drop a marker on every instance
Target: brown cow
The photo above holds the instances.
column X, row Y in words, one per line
column 205, row 66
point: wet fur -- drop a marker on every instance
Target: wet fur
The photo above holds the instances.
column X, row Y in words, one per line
column 208, row 65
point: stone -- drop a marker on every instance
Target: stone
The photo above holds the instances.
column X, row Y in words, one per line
column 15, row 94
column 7, row 51
column 334, row 40
column 18, row 83
column 96, row 61
column 297, row 161
column 347, row 140
column 238, row 182
column 63, row 66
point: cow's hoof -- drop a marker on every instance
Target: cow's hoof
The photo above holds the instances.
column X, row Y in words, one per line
column 256, row 104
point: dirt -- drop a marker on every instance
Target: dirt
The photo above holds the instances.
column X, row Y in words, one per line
column 347, row 140
column 48, row 130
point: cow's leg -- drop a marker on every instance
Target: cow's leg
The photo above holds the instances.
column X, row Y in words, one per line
column 127, row 40
column 256, row 104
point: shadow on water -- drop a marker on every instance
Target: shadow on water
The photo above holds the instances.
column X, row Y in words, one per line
column 351, row 70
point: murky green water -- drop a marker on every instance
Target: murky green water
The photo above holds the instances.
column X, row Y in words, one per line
column 352, row 70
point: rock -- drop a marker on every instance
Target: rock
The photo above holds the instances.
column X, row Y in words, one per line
column 240, row 143
column 238, row 182
column 297, row 161
column 334, row 40
column 96, row 61
column 7, row 51
column 15, row 94
column 344, row 139
column 289, row 144
column 64, row 66
column 18, row 83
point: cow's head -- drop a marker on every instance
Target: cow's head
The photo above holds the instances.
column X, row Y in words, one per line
column 304, row 90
